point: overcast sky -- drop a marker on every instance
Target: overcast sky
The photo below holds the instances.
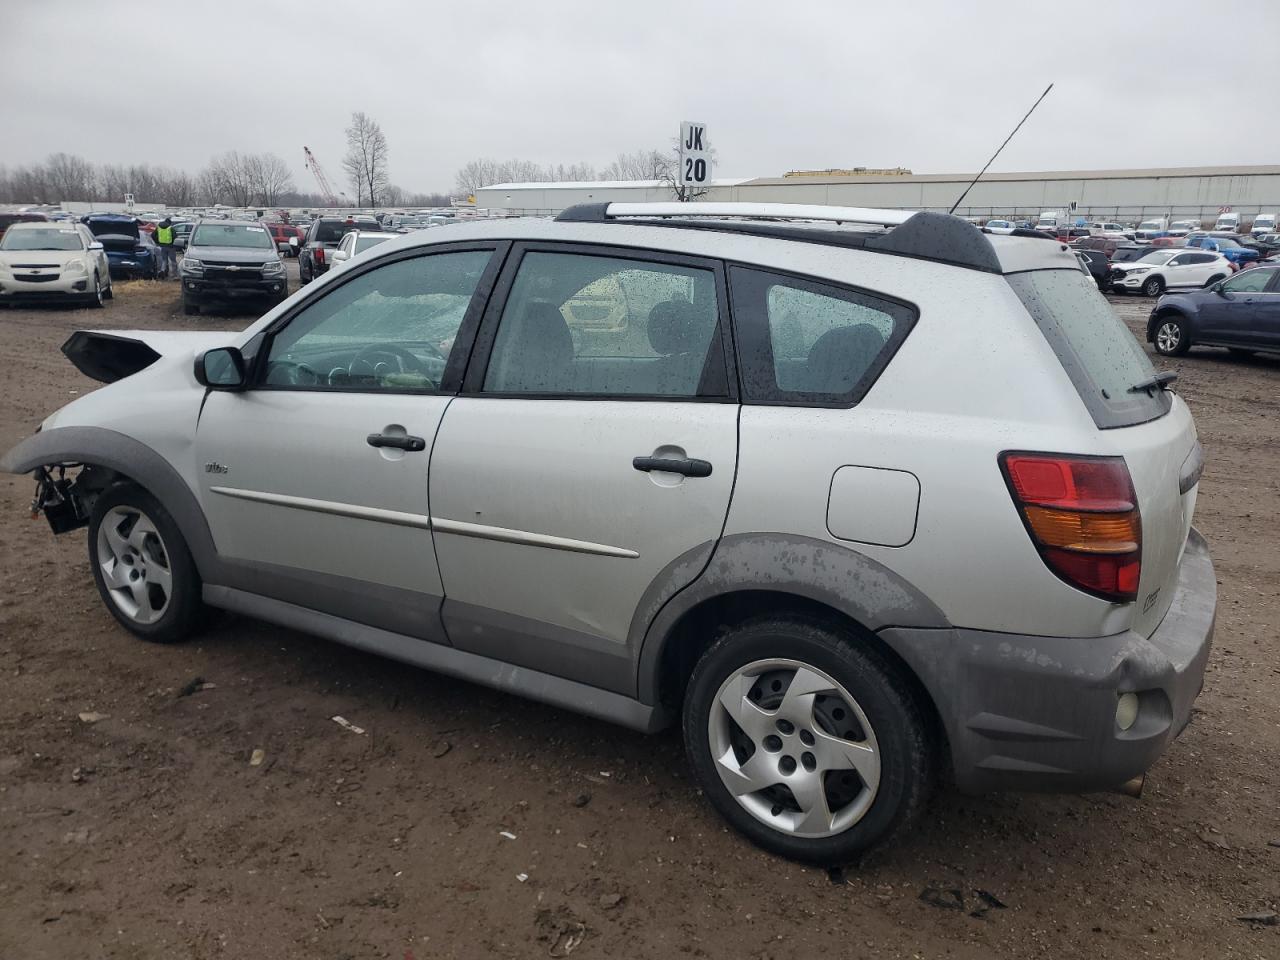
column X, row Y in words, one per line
column 933, row 86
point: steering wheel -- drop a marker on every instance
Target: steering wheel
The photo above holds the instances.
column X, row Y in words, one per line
column 406, row 362
column 287, row 372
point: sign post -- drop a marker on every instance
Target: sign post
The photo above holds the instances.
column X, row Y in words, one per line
column 695, row 158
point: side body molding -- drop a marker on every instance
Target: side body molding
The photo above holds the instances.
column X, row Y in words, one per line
column 829, row 573
column 107, row 448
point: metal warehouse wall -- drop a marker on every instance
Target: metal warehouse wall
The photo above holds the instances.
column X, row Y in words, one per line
column 1188, row 191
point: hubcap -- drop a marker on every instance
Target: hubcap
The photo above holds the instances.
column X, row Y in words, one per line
column 1167, row 337
column 794, row 748
column 134, row 564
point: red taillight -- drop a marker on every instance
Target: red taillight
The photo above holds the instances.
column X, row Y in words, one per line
column 319, row 254
column 1082, row 514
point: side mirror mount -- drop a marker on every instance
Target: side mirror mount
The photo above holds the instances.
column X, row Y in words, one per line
column 96, row 245
column 221, row 368
column 1220, row 289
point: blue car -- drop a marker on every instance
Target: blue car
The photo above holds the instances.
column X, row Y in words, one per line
column 1241, row 313
column 131, row 253
column 1234, row 251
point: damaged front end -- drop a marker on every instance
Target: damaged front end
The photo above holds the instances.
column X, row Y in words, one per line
column 66, row 493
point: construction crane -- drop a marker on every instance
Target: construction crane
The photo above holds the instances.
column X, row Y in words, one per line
column 313, row 165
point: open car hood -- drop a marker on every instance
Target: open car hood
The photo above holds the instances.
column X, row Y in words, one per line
column 113, row 356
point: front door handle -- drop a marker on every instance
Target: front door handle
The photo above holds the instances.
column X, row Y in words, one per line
column 686, row 466
column 409, row 443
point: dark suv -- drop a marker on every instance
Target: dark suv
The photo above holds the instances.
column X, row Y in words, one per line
column 231, row 260
column 322, row 236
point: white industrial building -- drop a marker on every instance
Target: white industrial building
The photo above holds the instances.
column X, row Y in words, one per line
column 1114, row 194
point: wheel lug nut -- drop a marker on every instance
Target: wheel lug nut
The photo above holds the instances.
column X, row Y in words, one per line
column 773, row 743
column 809, row 762
column 787, row 765
column 806, row 737
column 786, row 727
column 133, row 574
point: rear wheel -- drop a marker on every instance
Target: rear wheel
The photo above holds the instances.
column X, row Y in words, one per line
column 807, row 740
column 142, row 566
column 1153, row 287
column 1214, row 279
column 1171, row 338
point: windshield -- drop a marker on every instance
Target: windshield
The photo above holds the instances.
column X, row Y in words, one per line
column 42, row 238
column 1225, row 243
column 1149, row 225
column 1156, row 258
column 997, row 223
column 1095, row 348
column 230, row 235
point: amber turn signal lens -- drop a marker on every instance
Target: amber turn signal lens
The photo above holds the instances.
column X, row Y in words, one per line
column 1086, row 532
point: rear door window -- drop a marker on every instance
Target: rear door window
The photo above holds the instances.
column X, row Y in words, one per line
column 808, row 343
column 1097, row 351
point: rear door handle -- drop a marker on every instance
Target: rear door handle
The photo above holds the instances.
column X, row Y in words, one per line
column 410, row 443
column 687, row 466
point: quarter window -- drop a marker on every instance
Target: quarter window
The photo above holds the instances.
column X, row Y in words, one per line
column 809, row 343
column 577, row 324
column 390, row 328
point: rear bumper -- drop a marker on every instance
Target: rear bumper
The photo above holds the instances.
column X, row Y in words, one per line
column 1039, row 713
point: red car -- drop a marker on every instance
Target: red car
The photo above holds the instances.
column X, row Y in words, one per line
column 281, row 234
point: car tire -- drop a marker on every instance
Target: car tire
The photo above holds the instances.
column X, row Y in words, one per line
column 96, row 297
column 1153, row 287
column 845, row 765
column 189, row 308
column 1170, row 337
column 142, row 566
column 1216, row 278
column 110, row 293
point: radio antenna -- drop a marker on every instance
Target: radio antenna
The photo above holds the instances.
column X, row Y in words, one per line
column 1002, row 146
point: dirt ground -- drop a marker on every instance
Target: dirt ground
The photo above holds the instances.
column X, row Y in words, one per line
column 149, row 834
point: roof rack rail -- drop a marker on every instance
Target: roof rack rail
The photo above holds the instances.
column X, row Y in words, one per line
column 601, row 212
column 939, row 237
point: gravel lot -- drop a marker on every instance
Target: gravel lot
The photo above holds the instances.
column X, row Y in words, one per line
column 148, row 834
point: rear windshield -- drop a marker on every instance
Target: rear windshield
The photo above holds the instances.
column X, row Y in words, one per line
column 1096, row 349
column 332, row 231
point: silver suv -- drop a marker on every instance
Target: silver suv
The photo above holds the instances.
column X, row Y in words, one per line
column 858, row 497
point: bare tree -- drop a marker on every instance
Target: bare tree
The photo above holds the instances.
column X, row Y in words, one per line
column 269, row 176
column 69, row 177
column 640, row 165
column 228, row 179
column 366, row 159
column 485, row 173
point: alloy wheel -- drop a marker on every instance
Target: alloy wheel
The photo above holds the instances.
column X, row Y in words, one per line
column 794, row 748
column 1168, row 337
column 135, row 564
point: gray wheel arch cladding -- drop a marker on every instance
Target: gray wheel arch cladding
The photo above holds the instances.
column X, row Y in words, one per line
column 97, row 446
column 831, row 574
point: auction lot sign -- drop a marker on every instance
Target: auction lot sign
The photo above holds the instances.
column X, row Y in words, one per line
column 695, row 154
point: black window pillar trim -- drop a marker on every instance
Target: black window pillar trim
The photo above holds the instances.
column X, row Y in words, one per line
column 482, row 349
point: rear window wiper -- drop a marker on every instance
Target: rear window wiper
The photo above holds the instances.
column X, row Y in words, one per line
column 1161, row 380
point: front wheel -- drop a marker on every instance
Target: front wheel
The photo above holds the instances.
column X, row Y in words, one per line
column 807, row 739
column 1153, row 287
column 96, row 296
column 142, row 566
column 189, row 308
column 1171, row 338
